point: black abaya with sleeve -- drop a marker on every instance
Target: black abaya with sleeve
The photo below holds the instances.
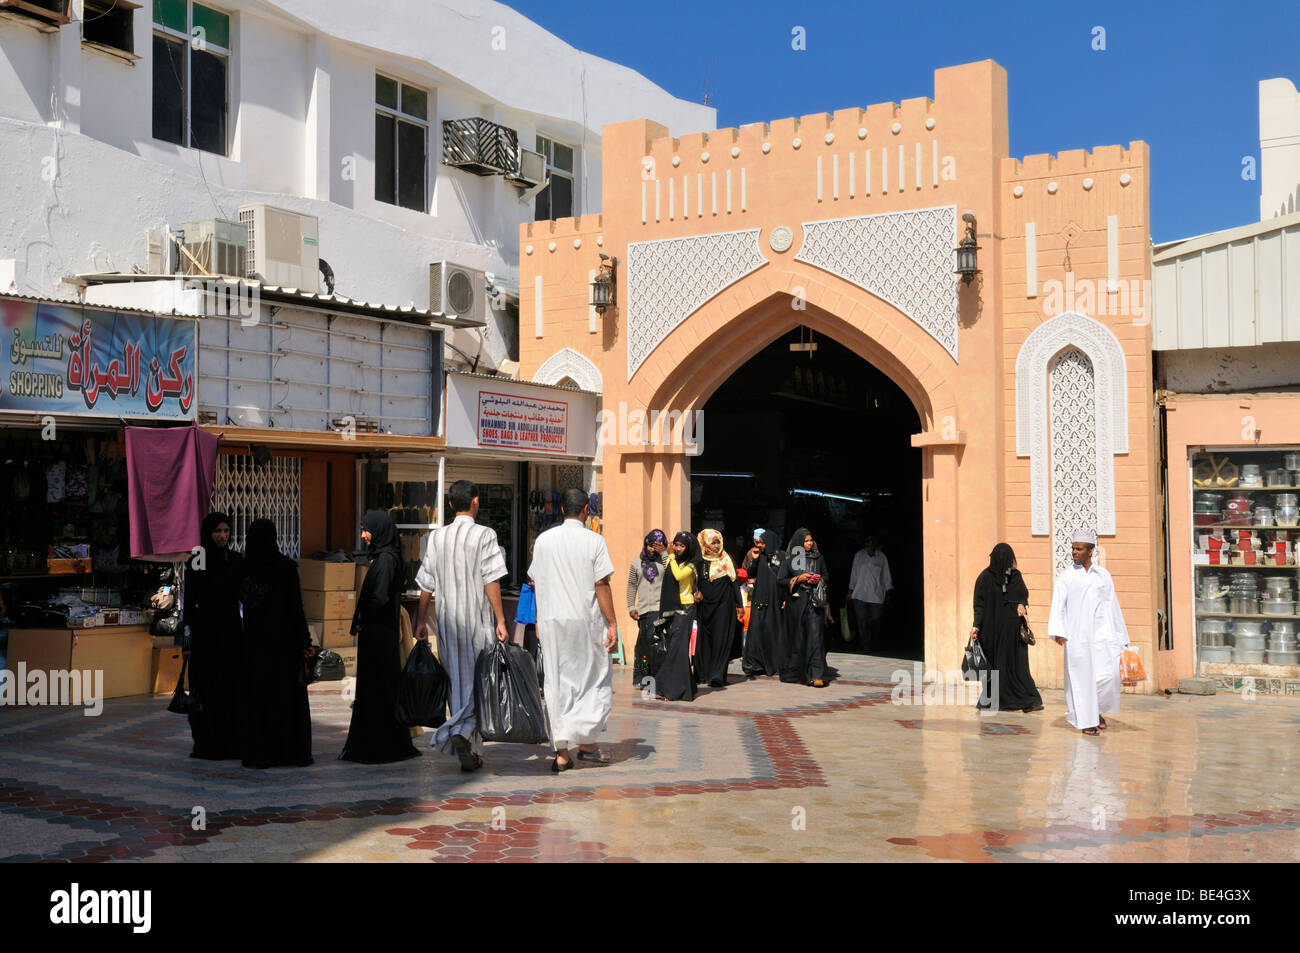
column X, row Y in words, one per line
column 762, row 642
column 717, row 616
column 999, row 636
column 674, row 680
column 275, row 718
column 212, row 615
column 375, row 736
column 804, row 650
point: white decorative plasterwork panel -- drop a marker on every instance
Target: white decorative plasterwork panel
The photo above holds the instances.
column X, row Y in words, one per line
column 905, row 258
column 567, row 362
column 1110, row 410
column 1075, row 460
column 670, row 278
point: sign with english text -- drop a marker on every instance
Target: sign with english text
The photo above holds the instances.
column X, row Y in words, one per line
column 70, row 359
column 522, row 423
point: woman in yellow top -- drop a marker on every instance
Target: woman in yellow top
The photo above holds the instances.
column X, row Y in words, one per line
column 673, row 680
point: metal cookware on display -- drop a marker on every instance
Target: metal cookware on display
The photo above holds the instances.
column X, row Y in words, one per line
column 1212, row 605
column 1292, row 462
column 1284, row 658
column 1277, row 478
column 1249, row 629
column 1277, row 607
column 1216, row 654
column 1248, row 656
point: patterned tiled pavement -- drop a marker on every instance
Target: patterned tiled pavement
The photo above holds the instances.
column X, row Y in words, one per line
column 758, row 771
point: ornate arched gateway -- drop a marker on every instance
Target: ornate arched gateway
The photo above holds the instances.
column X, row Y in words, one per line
column 846, row 223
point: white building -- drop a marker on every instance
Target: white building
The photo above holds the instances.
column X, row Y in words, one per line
column 397, row 135
column 117, row 117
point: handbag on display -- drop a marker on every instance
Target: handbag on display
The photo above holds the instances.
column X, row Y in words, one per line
column 166, row 626
column 973, row 661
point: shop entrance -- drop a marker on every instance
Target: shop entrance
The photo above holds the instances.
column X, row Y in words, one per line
column 807, row 433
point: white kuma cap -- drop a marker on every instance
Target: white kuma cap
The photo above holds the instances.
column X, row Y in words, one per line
column 1083, row 536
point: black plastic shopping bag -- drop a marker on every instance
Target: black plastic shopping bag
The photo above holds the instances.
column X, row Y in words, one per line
column 423, row 690
column 506, row 699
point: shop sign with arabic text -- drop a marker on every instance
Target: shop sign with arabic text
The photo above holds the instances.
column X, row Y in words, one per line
column 68, row 359
column 524, row 423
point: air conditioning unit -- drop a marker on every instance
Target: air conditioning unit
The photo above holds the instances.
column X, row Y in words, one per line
column 455, row 289
column 531, row 168
column 160, row 253
column 480, row 146
column 283, row 247
column 215, row 246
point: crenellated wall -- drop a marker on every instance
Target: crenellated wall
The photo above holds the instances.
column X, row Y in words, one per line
column 846, row 223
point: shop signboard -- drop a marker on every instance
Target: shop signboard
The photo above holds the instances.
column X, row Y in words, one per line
column 520, row 422
column 69, row 359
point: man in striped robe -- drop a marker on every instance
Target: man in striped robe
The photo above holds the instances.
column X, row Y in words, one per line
column 460, row 578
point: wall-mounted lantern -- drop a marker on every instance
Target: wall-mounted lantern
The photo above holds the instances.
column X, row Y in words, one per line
column 604, row 288
column 967, row 261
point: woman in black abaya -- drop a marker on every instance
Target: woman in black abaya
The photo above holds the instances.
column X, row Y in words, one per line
column 764, row 640
column 275, row 720
column 375, row 735
column 212, row 617
column 674, row 680
column 1001, row 601
column 717, row 611
column 805, row 649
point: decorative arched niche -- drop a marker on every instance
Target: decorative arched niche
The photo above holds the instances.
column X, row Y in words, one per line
column 567, row 362
column 1071, row 403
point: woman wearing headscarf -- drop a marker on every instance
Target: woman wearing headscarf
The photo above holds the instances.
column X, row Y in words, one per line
column 677, row 613
column 802, row 577
column 645, row 582
column 764, row 639
column 211, row 615
column 275, row 721
column 719, row 598
column 375, row 735
column 1001, row 603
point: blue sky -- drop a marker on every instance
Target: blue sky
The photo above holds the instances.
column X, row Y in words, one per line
column 1181, row 76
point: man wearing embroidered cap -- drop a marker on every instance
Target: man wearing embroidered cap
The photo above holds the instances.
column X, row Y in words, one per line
column 1086, row 619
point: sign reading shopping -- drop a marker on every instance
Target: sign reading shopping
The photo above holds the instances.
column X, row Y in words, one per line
column 523, row 423
column 69, row 359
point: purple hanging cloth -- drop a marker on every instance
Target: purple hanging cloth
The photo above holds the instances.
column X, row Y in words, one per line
column 169, row 477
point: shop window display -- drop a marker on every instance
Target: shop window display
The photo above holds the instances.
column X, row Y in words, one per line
column 1246, row 526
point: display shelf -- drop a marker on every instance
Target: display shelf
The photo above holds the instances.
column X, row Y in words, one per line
column 58, row 575
column 1248, row 489
column 1290, row 569
column 1205, row 526
column 1247, row 615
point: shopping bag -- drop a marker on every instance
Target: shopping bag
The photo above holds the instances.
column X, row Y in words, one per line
column 506, row 700
column 181, row 703
column 973, row 661
column 657, row 649
column 328, row 666
column 422, row 690
column 1130, row 667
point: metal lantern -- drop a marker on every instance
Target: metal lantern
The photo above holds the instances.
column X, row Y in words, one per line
column 967, row 259
column 604, row 287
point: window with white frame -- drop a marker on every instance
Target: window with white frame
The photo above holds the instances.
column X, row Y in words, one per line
column 191, row 59
column 401, row 143
column 556, row 200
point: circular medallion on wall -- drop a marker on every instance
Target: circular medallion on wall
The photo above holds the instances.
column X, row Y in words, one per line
column 780, row 239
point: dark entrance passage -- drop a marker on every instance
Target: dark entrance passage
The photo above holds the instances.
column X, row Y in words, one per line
column 819, row 438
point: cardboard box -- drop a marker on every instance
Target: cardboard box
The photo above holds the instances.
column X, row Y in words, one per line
column 166, row 669
column 360, row 575
column 332, row 633
column 62, row 566
column 1210, row 543
column 1210, row 559
column 326, row 577
column 349, row 662
column 321, row 604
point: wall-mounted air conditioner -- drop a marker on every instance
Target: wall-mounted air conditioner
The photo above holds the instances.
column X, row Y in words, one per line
column 160, row 253
column 283, row 247
column 480, row 146
column 215, row 246
column 457, row 290
column 530, row 170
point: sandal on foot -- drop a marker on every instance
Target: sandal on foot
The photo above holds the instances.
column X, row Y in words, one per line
column 1091, row 731
column 469, row 761
column 1102, row 724
column 556, row 767
column 595, row 757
